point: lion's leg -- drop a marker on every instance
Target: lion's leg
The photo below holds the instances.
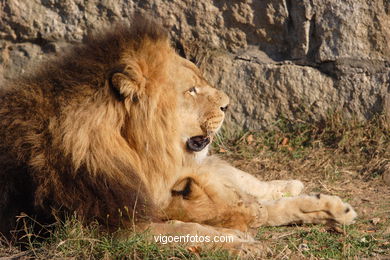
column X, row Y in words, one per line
column 309, row 209
column 194, row 234
column 251, row 185
column 276, row 189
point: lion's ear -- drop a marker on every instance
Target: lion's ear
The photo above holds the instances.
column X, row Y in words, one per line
column 182, row 188
column 126, row 82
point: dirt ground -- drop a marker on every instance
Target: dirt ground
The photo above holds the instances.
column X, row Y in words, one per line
column 325, row 171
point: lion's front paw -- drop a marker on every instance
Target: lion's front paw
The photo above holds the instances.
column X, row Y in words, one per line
column 293, row 188
column 316, row 209
column 283, row 188
column 339, row 211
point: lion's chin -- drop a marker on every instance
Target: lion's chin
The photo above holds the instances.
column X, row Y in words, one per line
column 197, row 143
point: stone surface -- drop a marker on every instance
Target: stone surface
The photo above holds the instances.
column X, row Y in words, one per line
column 273, row 57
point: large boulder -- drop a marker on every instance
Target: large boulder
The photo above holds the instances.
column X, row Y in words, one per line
column 273, row 57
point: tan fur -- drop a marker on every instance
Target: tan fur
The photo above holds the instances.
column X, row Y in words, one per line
column 219, row 191
column 103, row 132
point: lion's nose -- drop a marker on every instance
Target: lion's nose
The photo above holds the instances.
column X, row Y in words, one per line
column 224, row 108
column 198, row 143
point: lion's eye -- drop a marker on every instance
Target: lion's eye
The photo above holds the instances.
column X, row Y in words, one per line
column 193, row 91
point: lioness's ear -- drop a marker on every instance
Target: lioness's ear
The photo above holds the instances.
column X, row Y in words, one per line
column 126, row 82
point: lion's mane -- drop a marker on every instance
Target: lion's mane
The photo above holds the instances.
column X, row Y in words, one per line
column 71, row 143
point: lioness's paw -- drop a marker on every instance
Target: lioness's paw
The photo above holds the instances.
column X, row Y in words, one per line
column 339, row 211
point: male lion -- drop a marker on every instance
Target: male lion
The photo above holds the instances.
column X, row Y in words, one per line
column 118, row 131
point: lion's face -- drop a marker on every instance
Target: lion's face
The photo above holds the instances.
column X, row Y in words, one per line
column 166, row 96
column 201, row 107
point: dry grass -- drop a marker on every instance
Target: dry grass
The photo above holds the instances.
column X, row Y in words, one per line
column 342, row 157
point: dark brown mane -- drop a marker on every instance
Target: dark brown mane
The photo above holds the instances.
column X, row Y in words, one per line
column 91, row 62
column 61, row 110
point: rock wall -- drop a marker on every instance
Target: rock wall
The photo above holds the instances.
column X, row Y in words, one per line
column 273, row 57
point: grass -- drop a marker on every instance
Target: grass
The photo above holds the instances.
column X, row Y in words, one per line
column 364, row 146
column 338, row 156
column 72, row 239
column 322, row 242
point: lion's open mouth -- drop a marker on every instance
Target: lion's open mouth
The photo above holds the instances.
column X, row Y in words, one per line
column 197, row 143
